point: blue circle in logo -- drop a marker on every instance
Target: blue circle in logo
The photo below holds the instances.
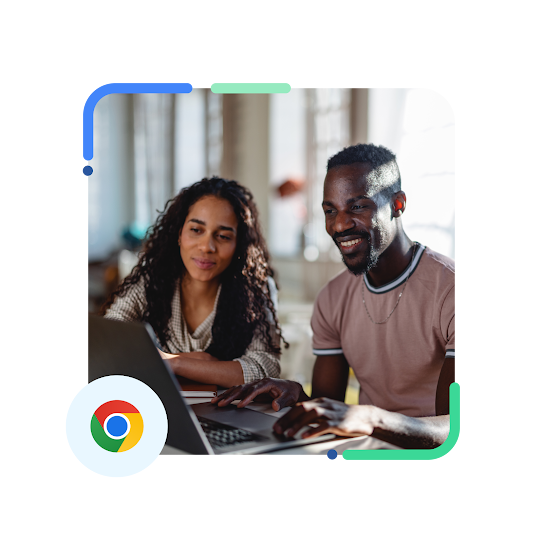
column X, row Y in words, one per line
column 117, row 426
column 87, row 170
column 332, row 454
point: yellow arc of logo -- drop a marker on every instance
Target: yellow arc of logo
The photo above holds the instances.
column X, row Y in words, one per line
column 136, row 431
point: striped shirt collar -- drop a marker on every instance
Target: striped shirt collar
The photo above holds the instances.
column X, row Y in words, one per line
column 401, row 278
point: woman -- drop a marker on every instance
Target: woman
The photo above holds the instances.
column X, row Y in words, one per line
column 204, row 284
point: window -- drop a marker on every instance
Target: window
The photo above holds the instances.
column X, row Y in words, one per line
column 190, row 138
column 111, row 194
column 288, row 163
column 214, row 125
column 147, row 147
column 328, row 131
column 154, row 164
column 418, row 126
column 430, row 178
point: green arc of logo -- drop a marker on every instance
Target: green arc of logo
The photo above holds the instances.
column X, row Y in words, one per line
column 102, row 439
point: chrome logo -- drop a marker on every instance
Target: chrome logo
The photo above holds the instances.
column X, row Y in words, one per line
column 117, row 426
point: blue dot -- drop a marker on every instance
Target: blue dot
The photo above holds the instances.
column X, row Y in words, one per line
column 87, row 170
column 332, row 454
column 117, row 426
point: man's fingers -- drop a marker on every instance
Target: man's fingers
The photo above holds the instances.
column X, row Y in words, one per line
column 310, row 417
column 285, row 421
column 301, row 412
column 322, row 428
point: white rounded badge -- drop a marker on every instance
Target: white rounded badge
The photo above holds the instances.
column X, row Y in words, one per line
column 116, row 426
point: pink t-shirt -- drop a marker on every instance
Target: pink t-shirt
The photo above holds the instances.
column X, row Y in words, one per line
column 397, row 363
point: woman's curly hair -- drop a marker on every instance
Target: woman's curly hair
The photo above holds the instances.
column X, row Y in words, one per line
column 244, row 305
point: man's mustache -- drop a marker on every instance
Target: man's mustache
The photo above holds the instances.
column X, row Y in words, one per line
column 351, row 232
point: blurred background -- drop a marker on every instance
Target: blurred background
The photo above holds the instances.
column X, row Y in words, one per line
column 149, row 146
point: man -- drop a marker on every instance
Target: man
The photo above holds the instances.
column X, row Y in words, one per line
column 390, row 317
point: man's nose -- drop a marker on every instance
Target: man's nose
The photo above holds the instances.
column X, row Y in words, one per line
column 343, row 222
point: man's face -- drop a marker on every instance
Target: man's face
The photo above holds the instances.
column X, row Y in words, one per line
column 361, row 228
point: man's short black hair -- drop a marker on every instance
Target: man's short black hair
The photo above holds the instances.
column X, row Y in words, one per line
column 386, row 178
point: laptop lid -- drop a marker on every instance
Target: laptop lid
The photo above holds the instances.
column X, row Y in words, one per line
column 126, row 348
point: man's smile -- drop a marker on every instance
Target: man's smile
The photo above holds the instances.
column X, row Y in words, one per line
column 351, row 247
column 350, row 243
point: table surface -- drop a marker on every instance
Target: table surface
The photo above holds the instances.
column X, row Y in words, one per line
column 339, row 445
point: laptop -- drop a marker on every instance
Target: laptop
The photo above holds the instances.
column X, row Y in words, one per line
column 122, row 348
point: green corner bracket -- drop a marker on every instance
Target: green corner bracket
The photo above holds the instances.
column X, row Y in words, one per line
column 419, row 454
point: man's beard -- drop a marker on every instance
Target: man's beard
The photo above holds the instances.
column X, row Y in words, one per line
column 359, row 264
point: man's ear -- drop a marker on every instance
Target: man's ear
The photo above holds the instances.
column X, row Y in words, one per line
column 399, row 202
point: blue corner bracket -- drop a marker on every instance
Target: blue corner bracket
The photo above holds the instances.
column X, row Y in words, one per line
column 121, row 88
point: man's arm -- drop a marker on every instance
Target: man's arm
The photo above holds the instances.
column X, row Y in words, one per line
column 330, row 376
column 423, row 432
column 446, row 377
column 359, row 420
column 411, row 432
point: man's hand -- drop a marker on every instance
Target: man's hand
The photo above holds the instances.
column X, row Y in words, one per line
column 331, row 416
column 284, row 393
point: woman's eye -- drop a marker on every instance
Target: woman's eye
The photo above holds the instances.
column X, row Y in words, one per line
column 195, row 230
column 226, row 238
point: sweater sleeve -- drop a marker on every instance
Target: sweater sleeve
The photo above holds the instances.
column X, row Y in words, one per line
column 129, row 307
column 257, row 362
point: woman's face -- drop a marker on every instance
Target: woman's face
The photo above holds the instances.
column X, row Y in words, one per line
column 208, row 238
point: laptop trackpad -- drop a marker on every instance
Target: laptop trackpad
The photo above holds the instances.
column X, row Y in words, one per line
column 241, row 418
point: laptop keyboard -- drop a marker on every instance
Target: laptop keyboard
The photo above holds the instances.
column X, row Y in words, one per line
column 222, row 435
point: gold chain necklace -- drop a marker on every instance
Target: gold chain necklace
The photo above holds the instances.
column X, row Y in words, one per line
column 415, row 244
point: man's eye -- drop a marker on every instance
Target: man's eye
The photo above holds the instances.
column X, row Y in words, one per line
column 328, row 211
column 358, row 207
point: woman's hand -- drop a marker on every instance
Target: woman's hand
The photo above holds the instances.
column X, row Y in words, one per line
column 283, row 393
